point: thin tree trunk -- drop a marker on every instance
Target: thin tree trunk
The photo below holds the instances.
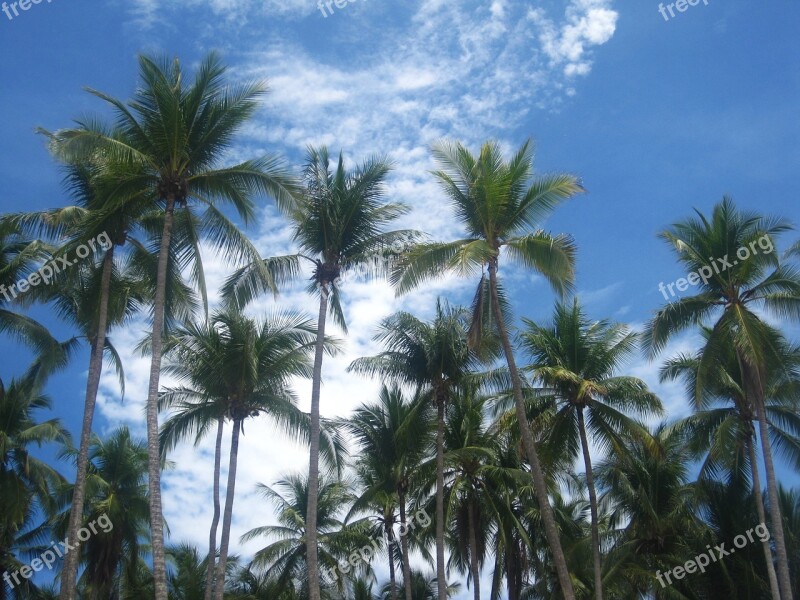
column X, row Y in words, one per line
column 513, row 582
column 755, row 394
column 219, row 585
column 404, row 546
column 69, row 573
column 784, row 580
column 212, row 536
column 762, row 517
column 587, row 462
column 537, row 474
column 441, row 580
column 313, row 463
column 473, row 551
column 390, row 546
column 153, row 454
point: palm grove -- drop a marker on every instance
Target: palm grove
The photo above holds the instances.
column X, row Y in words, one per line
column 546, row 470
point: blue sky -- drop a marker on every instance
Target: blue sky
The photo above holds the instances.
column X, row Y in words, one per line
column 657, row 117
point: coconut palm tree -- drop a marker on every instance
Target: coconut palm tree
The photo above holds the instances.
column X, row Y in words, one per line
column 500, row 205
column 653, row 505
column 238, row 368
column 732, row 259
column 392, row 437
column 28, row 486
column 285, row 560
column 338, row 225
column 94, row 296
column 473, row 498
column 188, row 569
column 577, row 362
column 721, row 427
column 167, row 147
column 422, row 588
column 435, row 358
column 20, row 256
column 379, row 502
column 116, row 501
column 100, row 294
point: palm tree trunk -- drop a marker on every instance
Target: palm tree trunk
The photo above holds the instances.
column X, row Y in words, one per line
column 153, row 454
column 404, row 546
column 219, row 586
column 537, row 474
column 313, row 463
column 473, row 552
column 390, row 546
column 784, row 580
column 587, row 462
column 441, row 580
column 762, row 517
column 212, row 536
column 69, row 572
column 513, row 579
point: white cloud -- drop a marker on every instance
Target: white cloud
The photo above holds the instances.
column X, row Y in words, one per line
column 588, row 23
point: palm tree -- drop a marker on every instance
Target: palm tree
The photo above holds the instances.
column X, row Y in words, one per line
column 475, row 478
column 576, row 361
column 422, row 588
column 730, row 291
column 500, row 204
column 186, row 577
column 27, row 485
column 285, row 559
column 338, row 225
column 19, row 257
column 392, row 437
column 94, row 298
column 653, row 504
column 722, row 424
column 116, row 501
column 167, row 148
column 238, row 368
column 379, row 501
column 434, row 358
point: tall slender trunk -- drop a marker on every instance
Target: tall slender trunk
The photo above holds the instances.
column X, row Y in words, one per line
column 69, row 573
column 755, row 394
column 390, row 545
column 441, row 580
column 473, row 551
column 784, row 580
column 212, row 536
column 762, row 517
column 404, row 545
column 153, row 454
column 587, row 463
column 219, row 585
column 313, row 463
column 513, row 579
column 537, row 474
